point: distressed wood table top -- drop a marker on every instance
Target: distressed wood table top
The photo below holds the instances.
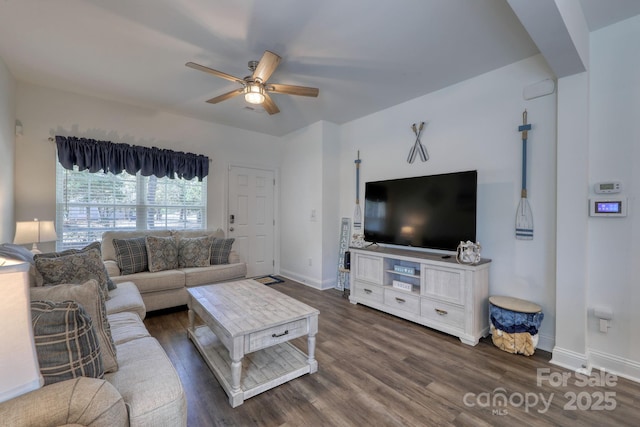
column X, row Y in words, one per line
column 246, row 306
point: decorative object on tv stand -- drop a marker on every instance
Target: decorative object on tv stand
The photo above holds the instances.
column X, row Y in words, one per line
column 357, row 213
column 402, row 285
column 417, row 148
column 468, row 252
column 404, row 270
column 34, row 232
column 19, row 369
column 343, row 272
column 524, row 217
column 358, row 240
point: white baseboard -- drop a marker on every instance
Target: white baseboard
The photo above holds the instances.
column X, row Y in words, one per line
column 569, row 359
column 546, row 342
column 617, row 365
column 313, row 283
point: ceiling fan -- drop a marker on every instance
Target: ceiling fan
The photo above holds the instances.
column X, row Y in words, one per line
column 255, row 87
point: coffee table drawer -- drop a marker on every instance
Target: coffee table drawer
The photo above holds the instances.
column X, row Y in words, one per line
column 276, row 335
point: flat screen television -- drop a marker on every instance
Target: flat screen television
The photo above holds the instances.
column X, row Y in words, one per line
column 435, row 211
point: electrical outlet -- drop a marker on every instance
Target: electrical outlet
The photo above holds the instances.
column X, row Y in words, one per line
column 310, row 262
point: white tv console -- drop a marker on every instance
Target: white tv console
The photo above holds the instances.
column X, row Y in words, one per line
column 444, row 295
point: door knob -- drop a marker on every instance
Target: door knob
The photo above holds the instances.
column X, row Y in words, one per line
column 231, row 229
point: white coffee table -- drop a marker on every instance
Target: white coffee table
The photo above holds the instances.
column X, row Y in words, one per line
column 245, row 335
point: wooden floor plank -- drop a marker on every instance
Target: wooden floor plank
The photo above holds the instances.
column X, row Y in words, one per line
column 379, row 370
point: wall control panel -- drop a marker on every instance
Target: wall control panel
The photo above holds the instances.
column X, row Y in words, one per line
column 610, row 187
column 613, row 207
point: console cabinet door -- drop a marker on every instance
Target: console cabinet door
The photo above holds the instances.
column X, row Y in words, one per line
column 446, row 284
column 368, row 268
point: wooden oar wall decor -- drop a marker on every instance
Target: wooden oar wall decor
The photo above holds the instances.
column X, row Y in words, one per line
column 357, row 213
column 524, row 217
column 418, row 148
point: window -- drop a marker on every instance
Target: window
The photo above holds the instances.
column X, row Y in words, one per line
column 87, row 204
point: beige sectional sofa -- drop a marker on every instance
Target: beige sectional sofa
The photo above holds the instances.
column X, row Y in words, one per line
column 144, row 391
column 168, row 288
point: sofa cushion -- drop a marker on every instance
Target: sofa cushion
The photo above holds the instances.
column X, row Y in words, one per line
column 162, row 253
column 194, row 251
column 91, row 246
column 149, row 384
column 131, row 255
column 220, row 251
column 78, row 402
column 151, row 282
column 74, row 268
column 66, row 342
column 109, row 251
column 126, row 326
column 90, row 298
column 213, row 274
column 126, row 297
column 180, row 234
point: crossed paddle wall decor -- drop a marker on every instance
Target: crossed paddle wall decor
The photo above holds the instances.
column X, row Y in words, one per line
column 418, row 148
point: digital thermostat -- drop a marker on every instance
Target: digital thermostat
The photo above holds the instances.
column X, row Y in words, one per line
column 610, row 187
column 608, row 207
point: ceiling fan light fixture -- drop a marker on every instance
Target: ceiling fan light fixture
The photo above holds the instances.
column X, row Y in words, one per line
column 254, row 93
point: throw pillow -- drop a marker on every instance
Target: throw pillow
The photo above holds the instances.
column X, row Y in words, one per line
column 75, row 268
column 194, row 251
column 131, row 255
column 91, row 246
column 220, row 251
column 162, row 253
column 66, row 343
column 89, row 296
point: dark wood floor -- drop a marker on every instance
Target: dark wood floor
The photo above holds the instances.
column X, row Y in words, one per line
column 378, row 370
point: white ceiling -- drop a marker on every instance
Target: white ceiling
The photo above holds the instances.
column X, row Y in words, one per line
column 364, row 55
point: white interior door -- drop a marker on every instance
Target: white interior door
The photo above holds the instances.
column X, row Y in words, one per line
column 250, row 217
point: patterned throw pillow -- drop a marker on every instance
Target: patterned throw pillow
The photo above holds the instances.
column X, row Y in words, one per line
column 88, row 295
column 131, row 255
column 75, row 268
column 66, row 342
column 162, row 253
column 220, row 251
column 194, row 251
column 91, row 246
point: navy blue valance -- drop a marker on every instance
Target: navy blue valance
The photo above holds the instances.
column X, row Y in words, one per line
column 92, row 155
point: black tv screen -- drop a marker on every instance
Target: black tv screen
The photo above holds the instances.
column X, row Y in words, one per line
column 435, row 211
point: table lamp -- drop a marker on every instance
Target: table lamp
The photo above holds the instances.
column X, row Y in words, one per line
column 19, row 370
column 34, row 232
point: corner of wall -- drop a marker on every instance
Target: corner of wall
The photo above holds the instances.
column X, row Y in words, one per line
column 7, row 148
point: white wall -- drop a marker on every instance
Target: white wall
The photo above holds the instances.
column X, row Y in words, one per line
column 309, row 216
column 473, row 125
column 572, row 236
column 330, row 215
column 7, row 148
column 46, row 112
column 614, row 154
column 300, row 194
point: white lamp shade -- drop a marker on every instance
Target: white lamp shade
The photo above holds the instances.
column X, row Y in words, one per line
column 34, row 232
column 19, row 370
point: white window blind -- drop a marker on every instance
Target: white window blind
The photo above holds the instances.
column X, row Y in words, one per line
column 88, row 204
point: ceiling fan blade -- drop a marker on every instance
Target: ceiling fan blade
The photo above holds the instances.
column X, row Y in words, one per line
column 270, row 106
column 214, row 72
column 225, row 96
column 292, row 90
column 267, row 65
